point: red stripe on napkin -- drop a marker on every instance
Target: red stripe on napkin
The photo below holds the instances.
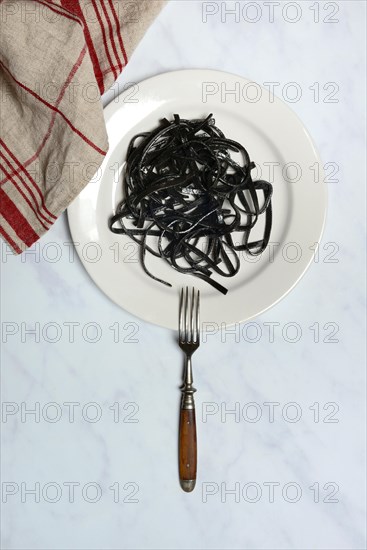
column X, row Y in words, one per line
column 74, row 7
column 22, row 168
column 16, row 220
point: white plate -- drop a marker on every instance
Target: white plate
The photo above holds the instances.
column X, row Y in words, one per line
column 271, row 133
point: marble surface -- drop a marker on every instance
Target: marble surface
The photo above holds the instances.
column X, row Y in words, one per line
column 285, row 468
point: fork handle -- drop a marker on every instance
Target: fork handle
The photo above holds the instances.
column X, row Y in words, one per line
column 187, row 434
column 187, row 449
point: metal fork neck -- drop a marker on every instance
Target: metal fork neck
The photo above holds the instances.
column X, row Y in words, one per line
column 187, row 388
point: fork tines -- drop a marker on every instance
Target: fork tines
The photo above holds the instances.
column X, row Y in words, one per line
column 189, row 323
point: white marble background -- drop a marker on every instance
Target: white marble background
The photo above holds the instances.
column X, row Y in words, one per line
column 326, row 445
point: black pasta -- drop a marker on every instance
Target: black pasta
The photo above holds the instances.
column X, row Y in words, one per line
column 188, row 201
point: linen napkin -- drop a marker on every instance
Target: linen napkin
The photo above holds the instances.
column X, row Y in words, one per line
column 56, row 59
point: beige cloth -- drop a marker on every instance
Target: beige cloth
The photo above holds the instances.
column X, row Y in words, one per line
column 56, row 59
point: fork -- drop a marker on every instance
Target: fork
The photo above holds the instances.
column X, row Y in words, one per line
column 189, row 341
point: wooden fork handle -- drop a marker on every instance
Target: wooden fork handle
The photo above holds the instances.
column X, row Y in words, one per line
column 187, row 449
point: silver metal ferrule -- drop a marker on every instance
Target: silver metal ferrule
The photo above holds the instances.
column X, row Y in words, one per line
column 187, row 388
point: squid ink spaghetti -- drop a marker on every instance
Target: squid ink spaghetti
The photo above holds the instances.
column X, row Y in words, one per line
column 190, row 200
